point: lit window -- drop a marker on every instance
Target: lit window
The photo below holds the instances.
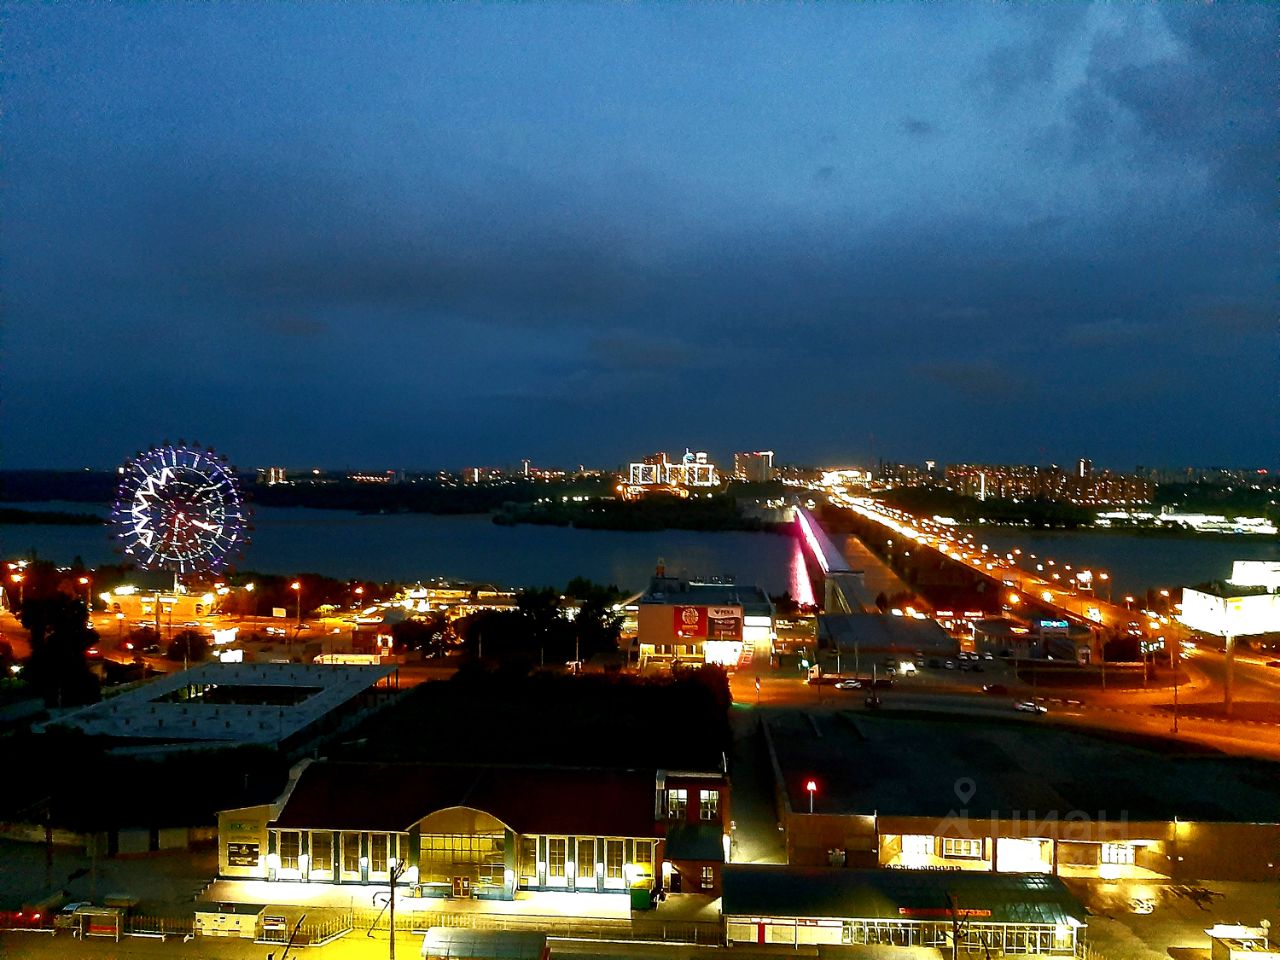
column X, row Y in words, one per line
column 290, row 847
column 613, row 850
column 351, row 852
column 556, row 857
column 917, row 845
column 709, row 809
column 1121, row 853
column 677, row 804
column 708, row 878
column 378, row 853
column 969, row 849
column 321, row 851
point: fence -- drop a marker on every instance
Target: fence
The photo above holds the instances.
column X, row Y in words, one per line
column 143, row 925
column 705, row 933
column 318, row 931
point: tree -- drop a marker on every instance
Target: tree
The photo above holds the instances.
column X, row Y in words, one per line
column 60, row 639
column 882, row 601
column 427, row 635
column 189, row 646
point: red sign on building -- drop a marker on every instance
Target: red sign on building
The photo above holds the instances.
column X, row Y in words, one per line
column 691, row 622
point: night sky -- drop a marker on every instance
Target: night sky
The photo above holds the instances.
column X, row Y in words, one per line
column 414, row 235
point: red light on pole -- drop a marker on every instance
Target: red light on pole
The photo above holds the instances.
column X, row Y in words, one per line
column 812, row 787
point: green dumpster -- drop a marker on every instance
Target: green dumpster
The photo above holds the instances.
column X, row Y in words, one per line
column 642, row 895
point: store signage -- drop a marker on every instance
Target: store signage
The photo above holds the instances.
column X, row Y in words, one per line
column 946, row 912
column 714, row 623
column 691, row 621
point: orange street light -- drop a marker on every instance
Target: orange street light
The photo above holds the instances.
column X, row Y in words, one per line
column 812, row 787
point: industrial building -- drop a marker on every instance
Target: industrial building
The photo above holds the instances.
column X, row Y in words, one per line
column 994, row 795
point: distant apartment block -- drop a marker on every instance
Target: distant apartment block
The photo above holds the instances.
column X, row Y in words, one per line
column 1082, row 486
column 754, row 467
column 270, row 476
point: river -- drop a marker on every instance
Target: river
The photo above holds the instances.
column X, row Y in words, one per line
column 473, row 548
column 1135, row 562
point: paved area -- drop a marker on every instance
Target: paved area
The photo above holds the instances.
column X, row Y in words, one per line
column 1176, row 928
column 164, row 883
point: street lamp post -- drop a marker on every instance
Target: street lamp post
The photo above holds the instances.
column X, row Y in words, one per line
column 296, row 587
column 812, row 787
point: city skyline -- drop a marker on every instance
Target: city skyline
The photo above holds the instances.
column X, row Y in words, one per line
column 440, row 234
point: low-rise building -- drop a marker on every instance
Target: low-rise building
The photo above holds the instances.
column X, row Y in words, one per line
column 485, row 832
column 997, row 914
column 703, row 621
column 281, row 705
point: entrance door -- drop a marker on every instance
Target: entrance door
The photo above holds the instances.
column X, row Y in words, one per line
column 675, row 881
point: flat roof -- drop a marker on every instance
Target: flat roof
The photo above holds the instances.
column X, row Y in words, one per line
column 882, row 631
column 757, row 890
column 290, row 696
column 988, row 767
column 676, row 592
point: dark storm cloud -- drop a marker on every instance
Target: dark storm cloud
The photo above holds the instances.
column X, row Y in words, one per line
column 742, row 224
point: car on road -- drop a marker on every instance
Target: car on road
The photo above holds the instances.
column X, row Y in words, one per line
column 849, row 685
column 1030, row 706
column 151, row 648
column 1142, row 906
column 995, row 689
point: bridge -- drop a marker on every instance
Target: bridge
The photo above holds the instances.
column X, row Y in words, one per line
column 843, row 589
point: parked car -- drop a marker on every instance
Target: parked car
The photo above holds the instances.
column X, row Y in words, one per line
column 66, row 916
column 949, row 664
column 151, row 648
column 1142, row 906
column 1030, row 706
column 849, row 685
column 988, row 655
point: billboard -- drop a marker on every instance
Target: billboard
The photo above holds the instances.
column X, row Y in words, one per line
column 708, row 623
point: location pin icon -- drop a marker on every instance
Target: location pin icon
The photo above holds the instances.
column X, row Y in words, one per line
column 965, row 789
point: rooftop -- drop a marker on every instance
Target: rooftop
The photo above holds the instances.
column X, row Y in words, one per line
column 260, row 703
column 393, row 797
column 784, row 891
column 927, row 767
column 673, row 590
column 589, row 720
column 877, row 631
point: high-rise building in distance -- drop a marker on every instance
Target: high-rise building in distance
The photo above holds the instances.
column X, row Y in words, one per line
column 756, row 467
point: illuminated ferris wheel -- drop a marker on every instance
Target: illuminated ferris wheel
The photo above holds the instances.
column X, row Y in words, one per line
column 179, row 508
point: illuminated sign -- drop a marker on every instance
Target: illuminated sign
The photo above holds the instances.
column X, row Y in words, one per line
column 701, row 623
column 1053, row 626
column 691, row 621
column 946, row 912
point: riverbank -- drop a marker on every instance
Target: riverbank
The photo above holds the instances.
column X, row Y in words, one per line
column 708, row 515
column 10, row 516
